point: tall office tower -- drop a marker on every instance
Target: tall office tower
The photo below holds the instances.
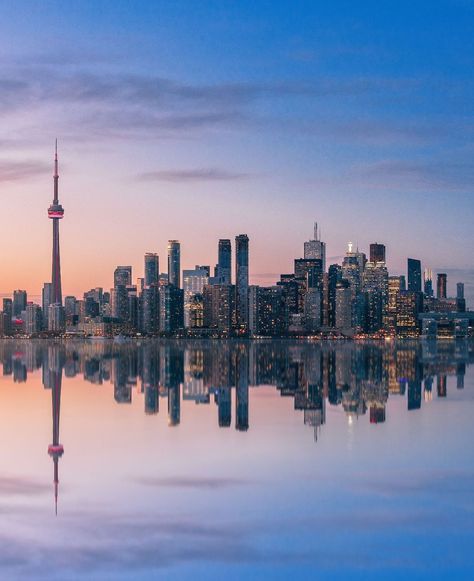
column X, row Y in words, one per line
column 403, row 282
column 343, row 313
column 219, row 307
column 152, row 269
column 119, row 302
column 54, row 375
column 334, row 276
column 70, row 306
column 315, row 248
column 428, row 282
column 7, row 316
column 409, row 306
column 414, row 275
column 460, row 290
column 267, row 310
column 193, row 284
column 56, row 318
column 441, row 286
column 390, row 319
column 150, row 310
column 224, row 264
column 46, row 300
column 375, row 284
column 174, row 263
column 242, row 280
column 171, row 309
column 377, row 252
column 34, row 319
column 123, row 276
column 56, row 213
column 20, row 300
column 311, row 270
column 352, row 268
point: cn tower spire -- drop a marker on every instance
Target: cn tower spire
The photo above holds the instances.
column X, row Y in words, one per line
column 56, row 213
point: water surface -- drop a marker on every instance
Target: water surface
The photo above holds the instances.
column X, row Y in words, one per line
column 203, row 459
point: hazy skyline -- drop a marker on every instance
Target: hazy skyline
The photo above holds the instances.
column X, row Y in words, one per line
column 200, row 122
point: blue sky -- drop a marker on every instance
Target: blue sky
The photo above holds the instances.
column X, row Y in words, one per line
column 200, row 120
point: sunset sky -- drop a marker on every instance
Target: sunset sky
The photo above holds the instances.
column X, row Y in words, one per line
column 203, row 120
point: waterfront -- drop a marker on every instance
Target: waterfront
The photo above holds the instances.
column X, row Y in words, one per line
column 237, row 459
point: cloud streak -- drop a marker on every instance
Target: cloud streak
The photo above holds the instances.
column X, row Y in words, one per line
column 14, row 171
column 192, row 175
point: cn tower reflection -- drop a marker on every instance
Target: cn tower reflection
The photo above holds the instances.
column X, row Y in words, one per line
column 52, row 379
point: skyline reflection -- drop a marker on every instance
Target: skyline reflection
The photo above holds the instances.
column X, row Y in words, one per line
column 357, row 376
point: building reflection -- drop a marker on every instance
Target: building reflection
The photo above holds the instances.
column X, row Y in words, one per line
column 359, row 377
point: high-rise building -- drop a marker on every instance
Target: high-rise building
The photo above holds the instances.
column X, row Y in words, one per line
column 56, row 318
column 171, row 309
column 20, row 299
column 122, row 276
column 334, row 276
column 194, row 282
column 409, row 306
column 394, row 288
column 33, row 322
column 242, row 280
column 7, row 316
column 70, row 306
column 267, row 311
column 224, row 264
column 460, row 290
column 441, row 286
column 56, row 213
column 343, row 314
column 46, row 300
column 414, row 275
column 428, row 282
column 219, row 307
column 150, row 310
column 377, row 252
column 174, row 263
column 352, row 268
column 316, row 248
column 152, row 269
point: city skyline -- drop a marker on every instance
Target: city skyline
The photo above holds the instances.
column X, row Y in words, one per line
column 370, row 136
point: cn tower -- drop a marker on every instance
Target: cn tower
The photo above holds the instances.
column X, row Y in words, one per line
column 55, row 213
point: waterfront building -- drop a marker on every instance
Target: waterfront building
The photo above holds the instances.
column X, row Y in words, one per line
column 174, row 263
column 316, row 248
column 242, row 281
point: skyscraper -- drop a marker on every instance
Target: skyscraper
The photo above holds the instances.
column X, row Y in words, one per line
column 193, row 284
column 174, row 263
column 460, row 290
column 242, row 280
column 428, row 282
column 123, row 276
column 441, row 286
column 224, row 264
column 414, row 275
column 152, row 270
column 315, row 248
column 20, row 300
column 377, row 252
column 56, row 213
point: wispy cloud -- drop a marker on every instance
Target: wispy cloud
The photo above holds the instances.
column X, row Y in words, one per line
column 192, row 175
column 210, row 483
column 12, row 171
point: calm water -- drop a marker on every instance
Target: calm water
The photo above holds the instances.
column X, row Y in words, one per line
column 236, row 460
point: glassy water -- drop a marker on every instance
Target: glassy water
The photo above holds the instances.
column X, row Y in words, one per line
column 214, row 460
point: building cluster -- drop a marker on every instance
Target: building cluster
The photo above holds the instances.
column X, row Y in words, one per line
column 359, row 377
column 357, row 298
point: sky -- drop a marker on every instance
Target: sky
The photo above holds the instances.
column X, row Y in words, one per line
column 203, row 120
